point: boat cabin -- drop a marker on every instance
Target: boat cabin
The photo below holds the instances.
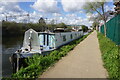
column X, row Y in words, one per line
column 47, row 41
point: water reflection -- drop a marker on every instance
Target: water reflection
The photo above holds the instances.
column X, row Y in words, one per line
column 9, row 46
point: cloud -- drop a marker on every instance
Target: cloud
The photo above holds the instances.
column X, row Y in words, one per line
column 72, row 5
column 12, row 9
column 17, row 0
column 77, row 5
column 9, row 6
column 57, row 14
column 15, row 10
column 71, row 16
column 90, row 15
column 81, row 11
column 73, row 19
column 47, row 6
column 34, row 17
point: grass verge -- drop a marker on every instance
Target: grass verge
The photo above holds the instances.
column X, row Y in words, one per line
column 39, row 63
column 110, row 56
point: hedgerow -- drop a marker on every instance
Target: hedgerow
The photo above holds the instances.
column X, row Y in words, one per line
column 39, row 63
column 110, row 56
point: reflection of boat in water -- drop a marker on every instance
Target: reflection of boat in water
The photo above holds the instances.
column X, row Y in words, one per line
column 40, row 42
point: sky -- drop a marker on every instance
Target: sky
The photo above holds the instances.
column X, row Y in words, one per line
column 70, row 12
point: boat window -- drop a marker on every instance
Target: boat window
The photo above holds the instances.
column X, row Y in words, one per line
column 75, row 34
column 47, row 40
column 64, row 38
column 44, row 39
column 52, row 41
column 41, row 38
column 71, row 36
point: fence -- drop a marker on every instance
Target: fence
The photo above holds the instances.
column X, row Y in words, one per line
column 113, row 29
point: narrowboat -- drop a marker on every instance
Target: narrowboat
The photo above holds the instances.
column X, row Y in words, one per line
column 42, row 42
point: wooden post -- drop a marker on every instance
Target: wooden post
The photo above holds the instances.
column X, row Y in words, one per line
column 17, row 69
column 18, row 60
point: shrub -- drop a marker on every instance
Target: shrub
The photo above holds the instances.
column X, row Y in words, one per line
column 29, row 72
column 46, row 61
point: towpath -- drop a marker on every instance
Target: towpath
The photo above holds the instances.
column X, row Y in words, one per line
column 84, row 61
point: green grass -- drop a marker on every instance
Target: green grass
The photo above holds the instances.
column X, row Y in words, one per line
column 39, row 63
column 110, row 56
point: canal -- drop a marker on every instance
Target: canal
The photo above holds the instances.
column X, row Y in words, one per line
column 9, row 46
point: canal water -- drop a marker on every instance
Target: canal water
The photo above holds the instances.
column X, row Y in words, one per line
column 9, row 46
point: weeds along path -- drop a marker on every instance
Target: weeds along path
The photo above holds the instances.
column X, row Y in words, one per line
column 84, row 61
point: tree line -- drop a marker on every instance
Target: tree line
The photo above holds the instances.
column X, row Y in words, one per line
column 18, row 29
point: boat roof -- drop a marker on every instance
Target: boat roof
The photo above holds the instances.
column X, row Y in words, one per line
column 45, row 33
column 51, row 33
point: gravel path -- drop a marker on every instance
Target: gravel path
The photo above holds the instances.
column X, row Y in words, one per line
column 82, row 62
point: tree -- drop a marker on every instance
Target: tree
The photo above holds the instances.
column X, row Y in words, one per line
column 43, row 24
column 117, row 8
column 53, row 21
column 84, row 28
column 42, row 21
column 62, row 25
column 95, row 24
column 99, row 8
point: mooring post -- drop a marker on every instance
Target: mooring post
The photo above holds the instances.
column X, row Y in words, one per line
column 18, row 58
column 17, row 65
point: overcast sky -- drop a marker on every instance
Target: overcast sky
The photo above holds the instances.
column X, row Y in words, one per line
column 67, row 11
